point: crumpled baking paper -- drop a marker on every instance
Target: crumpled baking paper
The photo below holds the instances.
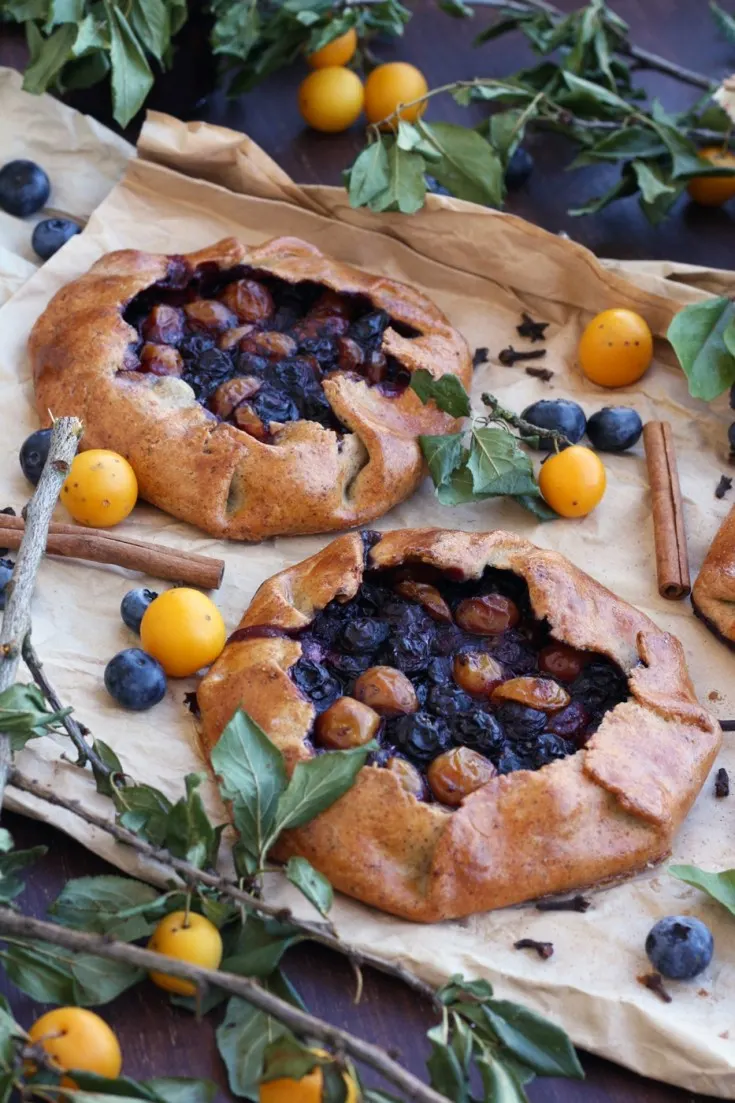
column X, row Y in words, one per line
column 83, row 160
column 483, row 269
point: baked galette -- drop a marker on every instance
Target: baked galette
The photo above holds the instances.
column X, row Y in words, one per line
column 256, row 391
column 713, row 594
column 535, row 733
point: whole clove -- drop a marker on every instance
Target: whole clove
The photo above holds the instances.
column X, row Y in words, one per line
column 511, row 356
column 543, row 949
column 533, row 331
column 544, row 374
column 723, row 486
column 722, row 783
column 480, row 356
column 576, row 903
column 655, row 982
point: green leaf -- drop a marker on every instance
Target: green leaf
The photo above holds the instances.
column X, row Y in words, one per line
column 98, row 1087
column 447, row 392
column 685, row 161
column 132, row 78
column 317, row 783
column 110, row 759
column 446, row 1073
column 24, row 714
column 495, row 30
column 443, row 455
column 52, row 55
column 405, row 190
column 179, row 1089
column 456, row 8
column 498, row 464
column 369, row 175
column 500, row 1083
column 334, row 1088
column 658, row 192
column 469, row 166
column 252, row 777
column 313, row 884
column 50, row 975
column 6, row 840
column 93, row 35
column 462, row 1041
column 412, row 138
column 459, row 488
column 259, row 946
column 288, row 1058
column 189, row 833
column 697, row 336
column 242, row 1040
column 535, row 1041
column 85, row 71
column 143, row 810
column 107, row 904
column 22, row 10
column 729, row 337
column 587, row 95
column 458, row 989
column 508, row 91
column 99, row 980
column 236, row 30
column 11, row 862
column 724, row 21
column 720, row 886
column 506, row 131
column 149, row 20
column 63, row 11
column 632, row 141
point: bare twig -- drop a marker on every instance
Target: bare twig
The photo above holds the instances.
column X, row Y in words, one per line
column 528, row 431
column 73, row 729
column 300, row 1022
column 17, row 617
column 191, row 875
column 645, row 58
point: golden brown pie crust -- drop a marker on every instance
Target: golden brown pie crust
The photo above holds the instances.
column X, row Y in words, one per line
column 211, row 473
column 713, row 594
column 608, row 810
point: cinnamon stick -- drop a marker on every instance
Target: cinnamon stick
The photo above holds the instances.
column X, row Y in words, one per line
column 672, row 562
column 100, row 546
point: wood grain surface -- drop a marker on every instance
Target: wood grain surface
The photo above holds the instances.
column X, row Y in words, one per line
column 160, row 1041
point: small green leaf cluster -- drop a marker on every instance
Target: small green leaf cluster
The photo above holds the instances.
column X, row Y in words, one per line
column 719, row 886
column 703, row 338
column 254, row 40
column 491, row 465
column 24, row 715
column 508, row 1045
column 582, row 89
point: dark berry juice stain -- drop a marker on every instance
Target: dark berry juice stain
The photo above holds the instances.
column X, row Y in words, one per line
column 255, row 349
column 508, row 720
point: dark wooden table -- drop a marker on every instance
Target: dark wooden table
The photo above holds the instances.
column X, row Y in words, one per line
column 157, row 1040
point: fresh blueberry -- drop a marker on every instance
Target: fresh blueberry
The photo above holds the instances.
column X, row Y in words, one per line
column 6, row 570
column 731, row 436
column 614, row 428
column 51, row 234
column 519, row 168
column 479, row 730
column 33, row 454
column 680, row 947
column 421, row 737
column 433, row 185
column 448, row 701
column 24, row 188
column 562, row 414
column 316, row 682
column 521, row 723
column 549, row 747
column 134, row 605
column 363, row 634
column 135, row 679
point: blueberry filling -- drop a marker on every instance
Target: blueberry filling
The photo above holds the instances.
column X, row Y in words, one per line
column 255, row 349
column 479, row 685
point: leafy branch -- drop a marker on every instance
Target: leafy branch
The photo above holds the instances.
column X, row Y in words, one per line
column 582, row 89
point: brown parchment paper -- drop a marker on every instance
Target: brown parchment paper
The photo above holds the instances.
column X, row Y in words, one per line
column 482, row 268
column 83, row 160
